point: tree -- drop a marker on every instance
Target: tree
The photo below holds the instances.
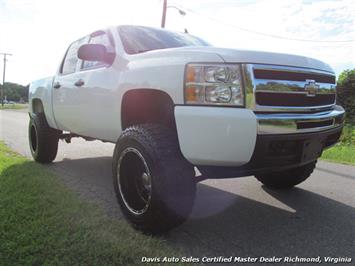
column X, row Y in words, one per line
column 346, row 94
column 15, row 92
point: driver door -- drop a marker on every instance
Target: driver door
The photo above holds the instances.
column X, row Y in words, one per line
column 66, row 102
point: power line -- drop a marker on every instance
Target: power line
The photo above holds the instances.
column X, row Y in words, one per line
column 262, row 33
column 3, row 78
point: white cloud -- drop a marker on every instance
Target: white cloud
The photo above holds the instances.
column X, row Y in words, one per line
column 38, row 32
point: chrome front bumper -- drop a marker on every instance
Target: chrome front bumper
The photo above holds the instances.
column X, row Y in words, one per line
column 290, row 123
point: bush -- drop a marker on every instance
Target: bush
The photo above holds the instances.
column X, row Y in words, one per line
column 348, row 135
column 346, row 94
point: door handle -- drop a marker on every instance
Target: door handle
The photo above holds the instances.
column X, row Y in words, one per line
column 79, row 83
column 56, row 85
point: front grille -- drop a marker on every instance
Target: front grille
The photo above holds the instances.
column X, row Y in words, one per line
column 277, row 86
column 293, row 99
column 294, row 76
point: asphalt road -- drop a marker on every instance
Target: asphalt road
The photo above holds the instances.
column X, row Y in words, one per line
column 231, row 217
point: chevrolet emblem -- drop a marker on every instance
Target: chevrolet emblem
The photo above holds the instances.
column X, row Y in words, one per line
column 311, row 87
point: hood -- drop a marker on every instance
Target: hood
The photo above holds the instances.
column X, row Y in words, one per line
column 257, row 57
column 209, row 54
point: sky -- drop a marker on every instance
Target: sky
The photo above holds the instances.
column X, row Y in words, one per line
column 37, row 32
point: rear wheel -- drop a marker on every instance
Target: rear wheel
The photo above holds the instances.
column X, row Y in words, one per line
column 287, row 179
column 43, row 139
column 154, row 183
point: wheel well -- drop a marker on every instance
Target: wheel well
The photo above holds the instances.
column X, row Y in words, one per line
column 37, row 106
column 142, row 106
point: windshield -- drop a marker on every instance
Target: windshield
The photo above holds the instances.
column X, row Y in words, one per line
column 138, row 39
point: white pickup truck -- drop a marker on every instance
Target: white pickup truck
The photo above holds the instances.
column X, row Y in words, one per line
column 173, row 103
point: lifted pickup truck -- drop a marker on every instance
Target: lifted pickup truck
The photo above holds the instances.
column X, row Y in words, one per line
column 171, row 102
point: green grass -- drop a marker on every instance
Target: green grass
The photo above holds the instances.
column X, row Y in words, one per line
column 15, row 106
column 344, row 151
column 340, row 153
column 43, row 222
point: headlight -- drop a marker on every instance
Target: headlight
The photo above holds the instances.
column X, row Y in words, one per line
column 209, row 84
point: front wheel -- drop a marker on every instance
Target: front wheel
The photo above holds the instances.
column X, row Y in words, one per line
column 287, row 179
column 154, row 183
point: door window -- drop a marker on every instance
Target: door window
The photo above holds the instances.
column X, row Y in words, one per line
column 98, row 39
column 71, row 58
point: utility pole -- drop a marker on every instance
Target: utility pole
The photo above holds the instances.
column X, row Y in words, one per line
column 165, row 6
column 3, row 78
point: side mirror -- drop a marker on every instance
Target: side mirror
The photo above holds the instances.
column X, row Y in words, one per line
column 94, row 52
